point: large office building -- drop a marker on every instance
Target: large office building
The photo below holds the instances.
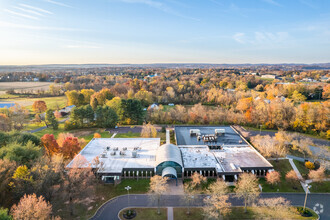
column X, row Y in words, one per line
column 217, row 151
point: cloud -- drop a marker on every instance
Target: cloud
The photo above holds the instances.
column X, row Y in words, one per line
column 272, row 2
column 32, row 27
column 28, row 11
column 79, row 46
column 160, row 6
column 58, row 3
column 239, row 37
column 36, row 8
column 21, row 14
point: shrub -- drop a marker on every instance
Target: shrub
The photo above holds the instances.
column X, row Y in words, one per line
column 97, row 135
column 305, row 213
column 309, row 165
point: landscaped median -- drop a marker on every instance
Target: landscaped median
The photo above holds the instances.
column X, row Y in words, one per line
column 197, row 214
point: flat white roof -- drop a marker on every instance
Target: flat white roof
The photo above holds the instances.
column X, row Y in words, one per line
column 146, row 153
column 197, row 156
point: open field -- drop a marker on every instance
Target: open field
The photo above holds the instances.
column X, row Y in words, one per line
column 24, row 86
column 51, row 102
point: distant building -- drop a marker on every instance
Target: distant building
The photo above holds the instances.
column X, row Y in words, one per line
column 66, row 110
column 212, row 151
column 154, row 106
column 269, row 76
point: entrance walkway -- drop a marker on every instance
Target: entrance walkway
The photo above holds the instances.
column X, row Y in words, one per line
column 174, row 189
column 170, row 213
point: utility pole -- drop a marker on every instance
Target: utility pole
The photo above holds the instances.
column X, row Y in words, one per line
column 307, row 187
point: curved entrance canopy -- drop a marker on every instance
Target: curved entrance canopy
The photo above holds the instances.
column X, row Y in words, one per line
column 169, row 172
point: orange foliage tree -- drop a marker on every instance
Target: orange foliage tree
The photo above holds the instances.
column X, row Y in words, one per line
column 39, row 106
column 50, row 144
column 70, row 147
column 273, row 177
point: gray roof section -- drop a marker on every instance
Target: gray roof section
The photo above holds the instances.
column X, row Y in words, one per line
column 168, row 152
column 169, row 171
column 231, row 138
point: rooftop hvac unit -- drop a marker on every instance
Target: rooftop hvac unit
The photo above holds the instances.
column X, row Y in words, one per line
column 219, row 132
column 108, row 148
column 113, row 153
column 240, row 141
column 195, row 132
column 134, row 154
column 115, row 149
column 122, row 153
column 103, row 155
column 125, row 148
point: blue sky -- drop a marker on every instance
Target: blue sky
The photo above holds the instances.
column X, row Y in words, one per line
column 164, row 31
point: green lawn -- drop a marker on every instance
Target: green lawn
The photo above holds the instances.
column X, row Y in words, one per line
column 148, row 214
column 320, row 187
column 282, row 166
column 128, row 135
column 302, row 169
column 51, row 102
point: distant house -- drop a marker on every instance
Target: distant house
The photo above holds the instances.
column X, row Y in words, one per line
column 7, row 105
column 171, row 104
column 154, row 106
column 66, row 110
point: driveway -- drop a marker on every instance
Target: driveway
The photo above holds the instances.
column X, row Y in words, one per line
column 110, row 210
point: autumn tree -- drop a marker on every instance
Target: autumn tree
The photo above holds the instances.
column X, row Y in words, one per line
column 50, row 144
column 39, row 106
column 247, row 188
column 292, row 178
column 79, row 178
column 57, row 115
column 217, row 204
column 22, row 181
column 32, row 207
column 18, row 116
column 309, row 165
column 317, row 175
column 148, row 131
column 158, row 187
column 273, row 177
column 5, row 123
column 70, row 147
column 97, row 135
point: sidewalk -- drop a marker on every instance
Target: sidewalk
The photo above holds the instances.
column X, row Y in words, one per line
column 170, row 213
column 302, row 182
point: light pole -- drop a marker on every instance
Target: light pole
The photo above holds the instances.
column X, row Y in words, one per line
column 307, row 187
column 260, row 129
column 128, row 188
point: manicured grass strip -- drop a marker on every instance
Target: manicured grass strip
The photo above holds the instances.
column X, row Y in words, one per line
column 320, row 187
column 148, row 213
column 128, row 135
column 283, row 167
column 302, row 169
column 236, row 213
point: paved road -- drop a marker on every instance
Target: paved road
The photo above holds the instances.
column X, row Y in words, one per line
column 110, row 210
column 44, row 127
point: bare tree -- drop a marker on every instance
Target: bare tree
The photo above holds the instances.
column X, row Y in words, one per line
column 273, row 177
column 189, row 196
column 158, row 187
column 79, row 178
column 317, row 175
column 247, row 188
column 31, row 207
column 148, row 130
column 217, row 205
column 197, row 180
column 292, row 178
